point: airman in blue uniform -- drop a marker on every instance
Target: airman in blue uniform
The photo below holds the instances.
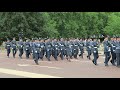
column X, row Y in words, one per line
column 21, row 48
column 8, row 47
column 76, row 48
column 42, row 49
column 107, row 50
column 14, row 47
column 36, row 48
column 95, row 52
column 62, row 48
column 81, row 47
column 27, row 48
column 48, row 49
column 55, row 47
column 113, row 48
column 118, row 52
column 89, row 48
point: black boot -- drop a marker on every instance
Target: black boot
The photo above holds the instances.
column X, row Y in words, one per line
column 13, row 56
column 36, row 61
column 106, row 64
column 87, row 56
column 93, row 61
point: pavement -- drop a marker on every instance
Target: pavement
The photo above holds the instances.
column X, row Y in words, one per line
column 77, row 68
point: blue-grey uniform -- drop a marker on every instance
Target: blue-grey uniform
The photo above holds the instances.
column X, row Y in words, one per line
column 95, row 52
column 76, row 48
column 55, row 49
column 113, row 48
column 89, row 48
column 31, row 47
column 32, row 50
column 62, row 49
column 8, row 47
column 72, row 47
column 48, row 50
column 27, row 49
column 36, row 48
column 21, row 48
column 117, row 51
column 42, row 50
column 65, row 52
column 69, row 49
column 107, row 50
column 81, row 48
column 14, row 47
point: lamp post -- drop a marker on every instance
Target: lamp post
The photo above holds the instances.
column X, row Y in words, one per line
column 20, row 35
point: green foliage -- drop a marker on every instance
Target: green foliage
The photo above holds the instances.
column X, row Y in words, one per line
column 58, row 24
column 113, row 25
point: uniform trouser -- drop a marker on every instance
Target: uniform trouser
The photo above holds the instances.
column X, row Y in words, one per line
column 107, row 57
column 33, row 53
column 95, row 57
column 75, row 53
column 37, row 56
column 89, row 53
column 69, row 53
column 48, row 54
column 27, row 53
column 55, row 54
column 62, row 54
column 118, row 59
column 8, row 52
column 41, row 54
column 72, row 52
column 14, row 52
column 65, row 52
column 20, row 52
column 81, row 54
column 113, row 57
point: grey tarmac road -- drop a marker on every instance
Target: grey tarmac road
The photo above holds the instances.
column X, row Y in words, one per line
column 81, row 68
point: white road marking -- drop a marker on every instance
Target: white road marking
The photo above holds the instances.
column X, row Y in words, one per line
column 38, row 66
column 51, row 67
column 23, row 65
column 26, row 74
column 75, row 60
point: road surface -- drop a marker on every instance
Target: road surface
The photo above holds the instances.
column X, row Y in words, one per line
column 80, row 68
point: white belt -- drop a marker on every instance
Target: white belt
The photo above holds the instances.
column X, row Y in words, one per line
column 109, row 49
column 42, row 46
column 94, row 51
column 89, row 46
column 49, row 45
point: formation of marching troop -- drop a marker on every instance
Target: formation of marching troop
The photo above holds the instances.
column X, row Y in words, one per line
column 39, row 48
column 112, row 51
column 65, row 48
